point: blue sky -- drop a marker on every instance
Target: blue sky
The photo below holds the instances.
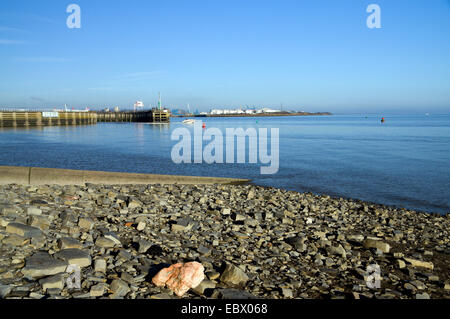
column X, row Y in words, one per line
column 312, row 55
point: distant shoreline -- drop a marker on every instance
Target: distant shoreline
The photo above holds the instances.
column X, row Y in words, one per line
column 257, row 115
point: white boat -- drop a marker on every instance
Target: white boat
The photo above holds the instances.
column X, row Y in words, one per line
column 188, row 121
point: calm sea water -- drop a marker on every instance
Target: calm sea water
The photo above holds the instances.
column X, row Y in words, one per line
column 404, row 162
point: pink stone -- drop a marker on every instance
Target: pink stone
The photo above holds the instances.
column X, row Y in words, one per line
column 180, row 277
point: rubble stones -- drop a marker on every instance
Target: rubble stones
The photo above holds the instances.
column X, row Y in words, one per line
column 23, row 230
column 233, row 275
column 42, row 264
column 253, row 242
column 75, row 256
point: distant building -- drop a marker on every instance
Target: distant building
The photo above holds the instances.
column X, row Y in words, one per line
column 240, row 111
column 217, row 112
column 267, row 110
column 116, row 109
column 138, row 105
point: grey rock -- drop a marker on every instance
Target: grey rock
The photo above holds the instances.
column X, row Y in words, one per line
column 204, row 250
column 297, row 242
column 337, row 250
column 56, row 281
column 231, row 293
column 34, row 211
column 100, row 265
column 98, row 290
column 41, row 222
column 233, row 275
column 114, row 237
column 423, row 296
column 377, row 244
column 42, row 264
column 23, row 230
column 287, row 293
column 69, row 242
column 119, row 288
column 205, row 284
column 15, row 240
column 75, row 256
column 86, row 223
column 144, row 245
column 105, row 242
column 5, row 290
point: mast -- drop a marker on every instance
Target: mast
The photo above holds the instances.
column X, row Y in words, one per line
column 159, row 100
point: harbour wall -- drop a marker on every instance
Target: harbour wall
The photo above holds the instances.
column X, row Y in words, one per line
column 10, row 118
column 39, row 118
column 51, row 176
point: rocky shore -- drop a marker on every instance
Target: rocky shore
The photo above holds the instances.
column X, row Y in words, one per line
column 253, row 242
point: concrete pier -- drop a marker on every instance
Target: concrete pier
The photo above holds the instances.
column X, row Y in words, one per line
column 10, row 118
column 142, row 116
column 36, row 118
column 52, row 176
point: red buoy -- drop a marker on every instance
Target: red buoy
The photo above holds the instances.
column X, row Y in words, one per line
column 204, row 125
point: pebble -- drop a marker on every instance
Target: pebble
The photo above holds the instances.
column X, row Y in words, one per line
column 98, row 290
column 86, row 223
column 419, row 263
column 377, row 244
column 267, row 242
column 104, row 242
column 205, row 284
column 34, row 211
column 423, row 296
column 119, row 288
column 100, row 265
column 56, row 281
column 233, row 275
column 141, row 226
column 42, row 264
column 69, row 242
column 74, row 256
column 23, row 230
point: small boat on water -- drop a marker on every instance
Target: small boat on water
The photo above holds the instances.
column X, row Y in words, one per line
column 188, row 121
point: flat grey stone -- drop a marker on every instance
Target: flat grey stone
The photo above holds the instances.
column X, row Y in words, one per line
column 34, row 211
column 51, row 282
column 5, row 290
column 42, row 264
column 205, row 284
column 104, row 242
column 98, row 290
column 233, row 275
column 74, row 256
column 100, row 265
column 119, row 288
column 69, row 242
column 235, row 294
column 114, row 237
column 23, row 230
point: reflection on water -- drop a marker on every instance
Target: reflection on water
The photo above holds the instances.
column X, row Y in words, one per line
column 403, row 161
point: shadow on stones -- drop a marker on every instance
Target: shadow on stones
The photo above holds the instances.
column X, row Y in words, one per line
column 154, row 269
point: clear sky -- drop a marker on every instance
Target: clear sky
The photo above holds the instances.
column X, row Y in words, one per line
column 312, row 55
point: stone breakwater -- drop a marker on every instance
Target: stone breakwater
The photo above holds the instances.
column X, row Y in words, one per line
column 253, row 242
